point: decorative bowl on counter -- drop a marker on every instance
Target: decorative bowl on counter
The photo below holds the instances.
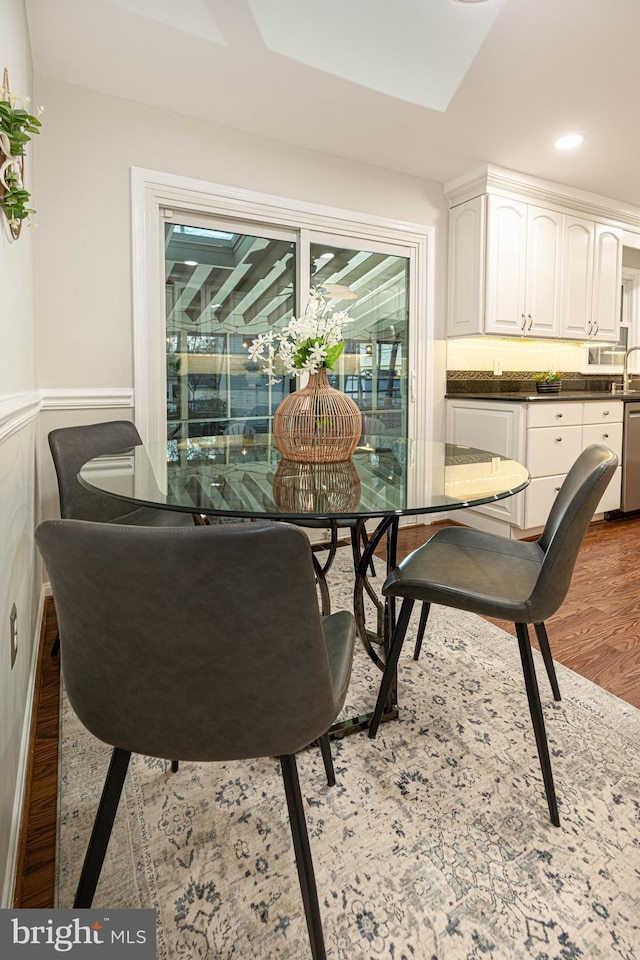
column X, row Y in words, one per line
column 548, row 382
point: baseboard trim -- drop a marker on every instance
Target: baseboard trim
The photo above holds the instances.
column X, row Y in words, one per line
column 28, row 733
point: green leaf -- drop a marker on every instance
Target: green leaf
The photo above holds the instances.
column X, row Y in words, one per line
column 333, row 353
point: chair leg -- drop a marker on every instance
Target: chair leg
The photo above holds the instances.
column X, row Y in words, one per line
column 302, row 851
column 422, row 626
column 325, row 750
column 392, row 663
column 174, row 766
column 55, row 645
column 537, row 719
column 102, row 826
column 545, row 650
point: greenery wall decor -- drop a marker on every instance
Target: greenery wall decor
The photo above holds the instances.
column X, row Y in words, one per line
column 17, row 126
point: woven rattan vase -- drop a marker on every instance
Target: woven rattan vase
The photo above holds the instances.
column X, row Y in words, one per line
column 316, row 487
column 317, row 424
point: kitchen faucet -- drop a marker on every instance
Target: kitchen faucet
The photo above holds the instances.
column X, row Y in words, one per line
column 625, row 369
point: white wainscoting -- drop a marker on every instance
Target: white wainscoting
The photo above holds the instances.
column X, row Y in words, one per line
column 85, row 398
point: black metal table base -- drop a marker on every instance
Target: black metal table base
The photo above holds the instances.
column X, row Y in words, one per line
column 342, row 728
column 376, row 642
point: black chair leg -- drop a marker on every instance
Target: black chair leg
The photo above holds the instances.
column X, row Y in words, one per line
column 545, row 650
column 537, row 719
column 392, row 663
column 302, row 852
column 102, row 826
column 174, row 766
column 55, row 645
column 325, row 750
column 422, row 626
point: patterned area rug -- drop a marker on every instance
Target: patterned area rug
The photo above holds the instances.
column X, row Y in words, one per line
column 435, row 843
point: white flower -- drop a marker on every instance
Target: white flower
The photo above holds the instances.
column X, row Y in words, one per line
column 308, row 343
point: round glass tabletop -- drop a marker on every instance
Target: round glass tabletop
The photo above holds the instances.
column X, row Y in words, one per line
column 245, row 476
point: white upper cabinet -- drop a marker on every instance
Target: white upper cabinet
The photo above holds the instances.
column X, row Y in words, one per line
column 543, row 285
column 520, row 268
column 591, row 280
column 607, row 284
column 466, row 282
column 577, row 278
column 506, row 265
column 505, row 278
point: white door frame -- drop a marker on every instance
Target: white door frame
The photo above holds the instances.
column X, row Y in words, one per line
column 153, row 192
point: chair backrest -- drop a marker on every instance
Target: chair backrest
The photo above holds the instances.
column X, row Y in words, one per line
column 567, row 524
column 71, row 447
column 195, row 643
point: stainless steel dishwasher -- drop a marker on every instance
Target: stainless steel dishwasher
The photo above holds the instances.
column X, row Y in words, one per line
column 631, row 458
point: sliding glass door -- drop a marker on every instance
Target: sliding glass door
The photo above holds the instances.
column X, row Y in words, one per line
column 223, row 286
column 227, row 282
column 372, row 286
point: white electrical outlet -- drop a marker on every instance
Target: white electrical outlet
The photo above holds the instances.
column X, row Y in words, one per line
column 497, row 368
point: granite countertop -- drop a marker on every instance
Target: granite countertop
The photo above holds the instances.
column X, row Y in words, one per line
column 564, row 395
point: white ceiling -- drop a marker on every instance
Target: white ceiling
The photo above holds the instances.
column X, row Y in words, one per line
column 433, row 88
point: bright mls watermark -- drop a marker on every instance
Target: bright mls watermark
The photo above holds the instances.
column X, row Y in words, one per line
column 79, row 934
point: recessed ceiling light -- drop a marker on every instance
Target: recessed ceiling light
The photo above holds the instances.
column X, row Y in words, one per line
column 190, row 263
column 570, row 141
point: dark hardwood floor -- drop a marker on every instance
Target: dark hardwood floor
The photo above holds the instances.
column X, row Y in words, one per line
column 596, row 633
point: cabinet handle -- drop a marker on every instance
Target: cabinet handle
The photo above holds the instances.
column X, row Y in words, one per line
column 530, row 322
column 558, row 439
column 606, row 413
column 559, row 416
column 605, row 436
column 590, row 329
column 596, row 328
column 524, row 322
column 557, row 489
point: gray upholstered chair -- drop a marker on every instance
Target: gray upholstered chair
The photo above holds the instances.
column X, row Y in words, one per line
column 194, row 663
column 71, row 447
column 516, row 580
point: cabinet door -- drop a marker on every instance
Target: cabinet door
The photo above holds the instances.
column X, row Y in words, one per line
column 577, row 278
column 490, row 426
column 607, row 283
column 466, row 268
column 552, row 450
column 506, row 266
column 540, row 496
column 610, row 434
column 543, row 287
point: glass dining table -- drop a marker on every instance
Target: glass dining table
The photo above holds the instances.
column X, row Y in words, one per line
column 245, row 478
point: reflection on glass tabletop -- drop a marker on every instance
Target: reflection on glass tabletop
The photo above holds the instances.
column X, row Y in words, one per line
column 245, row 476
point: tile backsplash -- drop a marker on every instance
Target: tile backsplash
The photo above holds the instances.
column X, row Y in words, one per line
column 521, row 381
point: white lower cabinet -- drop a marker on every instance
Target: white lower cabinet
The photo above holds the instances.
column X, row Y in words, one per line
column 539, row 498
column 547, row 437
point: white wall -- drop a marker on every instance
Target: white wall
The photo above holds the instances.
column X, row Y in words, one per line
column 18, row 494
column 84, row 247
